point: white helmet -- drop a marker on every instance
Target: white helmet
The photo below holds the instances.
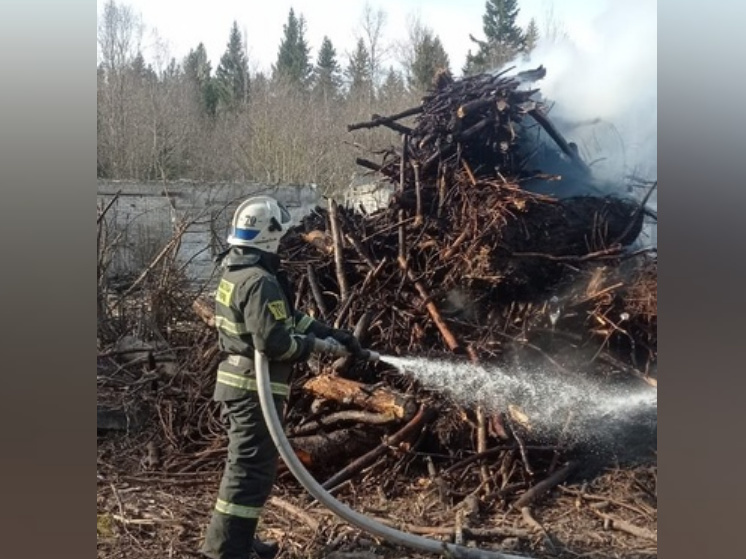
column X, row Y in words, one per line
column 259, row 222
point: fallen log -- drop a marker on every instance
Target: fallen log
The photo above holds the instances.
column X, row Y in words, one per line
column 324, row 451
column 379, row 399
column 324, row 423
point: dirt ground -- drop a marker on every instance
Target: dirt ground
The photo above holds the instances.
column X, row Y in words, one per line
column 146, row 513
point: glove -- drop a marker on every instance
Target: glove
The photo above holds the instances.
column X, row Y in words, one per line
column 347, row 339
column 306, row 344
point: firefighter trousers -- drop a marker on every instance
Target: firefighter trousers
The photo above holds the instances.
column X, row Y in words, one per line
column 250, row 470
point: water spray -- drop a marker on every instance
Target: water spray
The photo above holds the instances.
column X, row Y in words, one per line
column 361, row 521
column 545, row 398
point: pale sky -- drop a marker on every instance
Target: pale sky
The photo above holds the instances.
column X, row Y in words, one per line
column 182, row 25
column 608, row 70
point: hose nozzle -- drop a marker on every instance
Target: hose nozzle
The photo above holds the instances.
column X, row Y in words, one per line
column 369, row 355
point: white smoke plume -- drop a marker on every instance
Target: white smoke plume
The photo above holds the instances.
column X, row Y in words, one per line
column 607, row 73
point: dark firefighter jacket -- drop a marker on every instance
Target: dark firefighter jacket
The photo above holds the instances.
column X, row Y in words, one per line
column 254, row 309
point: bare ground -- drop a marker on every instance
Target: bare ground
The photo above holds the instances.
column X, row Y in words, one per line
column 146, row 513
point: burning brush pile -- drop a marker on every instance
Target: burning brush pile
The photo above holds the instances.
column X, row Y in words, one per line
column 470, row 264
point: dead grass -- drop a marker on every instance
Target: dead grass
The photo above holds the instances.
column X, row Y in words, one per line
column 150, row 513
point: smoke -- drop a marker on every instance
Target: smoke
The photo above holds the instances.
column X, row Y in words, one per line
column 602, row 85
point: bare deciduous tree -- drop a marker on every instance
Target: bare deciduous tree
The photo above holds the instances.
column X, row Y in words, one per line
column 371, row 27
column 119, row 35
column 553, row 29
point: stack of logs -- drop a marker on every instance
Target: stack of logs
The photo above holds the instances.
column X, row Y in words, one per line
column 464, row 263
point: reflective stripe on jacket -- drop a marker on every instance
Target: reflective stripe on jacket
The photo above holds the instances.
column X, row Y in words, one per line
column 253, row 309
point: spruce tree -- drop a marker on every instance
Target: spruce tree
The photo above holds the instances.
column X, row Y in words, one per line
column 198, row 73
column 531, row 36
column 429, row 58
column 197, row 67
column 141, row 72
column 360, row 83
column 293, row 66
column 232, row 75
column 327, row 73
column 499, row 23
column 393, row 89
column 503, row 37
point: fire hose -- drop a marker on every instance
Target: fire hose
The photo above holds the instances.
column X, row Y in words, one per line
column 355, row 518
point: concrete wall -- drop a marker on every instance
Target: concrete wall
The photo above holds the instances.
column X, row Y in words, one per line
column 145, row 215
column 367, row 193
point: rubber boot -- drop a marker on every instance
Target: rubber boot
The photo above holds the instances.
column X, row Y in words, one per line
column 265, row 550
column 229, row 537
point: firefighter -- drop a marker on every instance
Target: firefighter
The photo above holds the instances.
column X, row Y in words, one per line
column 254, row 310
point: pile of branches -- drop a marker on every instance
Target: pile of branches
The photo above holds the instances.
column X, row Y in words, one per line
column 459, row 226
column 466, row 264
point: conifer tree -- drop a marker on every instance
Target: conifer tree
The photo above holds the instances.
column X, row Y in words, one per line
column 293, row 66
column 503, row 37
column 358, row 73
column 531, row 36
column 429, row 58
column 393, row 89
column 198, row 74
column 232, row 75
column 327, row 73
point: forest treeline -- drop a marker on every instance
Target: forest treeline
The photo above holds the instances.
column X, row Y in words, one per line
column 165, row 119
